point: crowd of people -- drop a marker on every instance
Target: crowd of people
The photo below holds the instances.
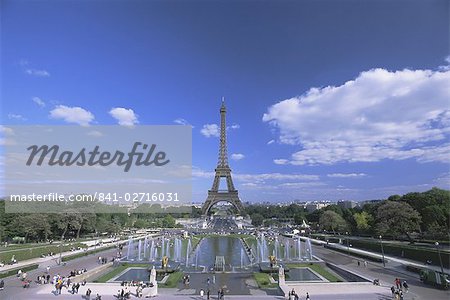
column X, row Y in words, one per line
column 398, row 288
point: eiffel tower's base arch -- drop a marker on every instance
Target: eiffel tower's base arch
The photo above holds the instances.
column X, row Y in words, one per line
column 216, row 197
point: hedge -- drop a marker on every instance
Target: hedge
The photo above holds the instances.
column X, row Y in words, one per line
column 419, row 254
column 14, row 271
column 81, row 254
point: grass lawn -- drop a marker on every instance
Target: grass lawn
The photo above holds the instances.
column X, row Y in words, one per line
column 33, row 252
column 173, row 280
column 13, row 272
column 317, row 268
column 263, row 281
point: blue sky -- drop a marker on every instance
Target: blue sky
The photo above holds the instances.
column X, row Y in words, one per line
column 326, row 100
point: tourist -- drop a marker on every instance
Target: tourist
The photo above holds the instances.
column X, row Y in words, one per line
column 405, row 285
column 393, row 290
column 47, row 269
column 2, row 285
column 208, row 293
column 397, row 283
column 88, row 293
column 307, row 296
column 202, row 293
column 365, row 264
column 359, row 263
column 98, row 297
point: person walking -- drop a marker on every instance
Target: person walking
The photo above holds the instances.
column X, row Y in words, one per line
column 202, row 293
column 405, row 285
column 88, row 294
column 47, row 269
column 397, row 283
column 208, row 293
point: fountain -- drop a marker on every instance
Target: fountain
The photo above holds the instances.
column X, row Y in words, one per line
column 129, row 248
column 188, row 250
column 309, row 249
column 299, row 248
column 151, row 256
column 145, row 246
column 139, row 249
column 286, row 250
column 276, row 248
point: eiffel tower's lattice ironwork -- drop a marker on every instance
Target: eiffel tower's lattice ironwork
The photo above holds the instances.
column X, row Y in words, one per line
column 223, row 171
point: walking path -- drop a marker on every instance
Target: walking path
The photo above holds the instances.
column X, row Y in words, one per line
column 53, row 260
column 388, row 259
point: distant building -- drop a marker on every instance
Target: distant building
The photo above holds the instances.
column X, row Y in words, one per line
column 347, row 204
column 313, row 206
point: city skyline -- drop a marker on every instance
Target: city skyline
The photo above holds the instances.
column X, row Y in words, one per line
column 325, row 100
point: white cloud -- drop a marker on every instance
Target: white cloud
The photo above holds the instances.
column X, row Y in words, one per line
column 379, row 115
column 182, row 121
column 234, row 126
column 37, row 73
column 281, row 161
column 38, row 101
column 6, row 136
column 237, row 156
column 262, row 177
column 210, row 130
column 125, row 117
column 270, row 142
column 274, row 176
column 95, row 133
column 346, row 175
column 16, row 117
column 75, row 115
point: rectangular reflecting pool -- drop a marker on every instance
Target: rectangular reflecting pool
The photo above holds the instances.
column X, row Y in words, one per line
column 302, row 274
column 134, row 274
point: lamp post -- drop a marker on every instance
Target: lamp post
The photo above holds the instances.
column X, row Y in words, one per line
column 440, row 259
column 382, row 251
column 348, row 244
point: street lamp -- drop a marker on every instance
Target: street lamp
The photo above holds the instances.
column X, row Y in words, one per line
column 440, row 259
column 382, row 251
column 348, row 244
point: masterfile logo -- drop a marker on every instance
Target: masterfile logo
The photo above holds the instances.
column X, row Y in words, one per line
column 110, row 165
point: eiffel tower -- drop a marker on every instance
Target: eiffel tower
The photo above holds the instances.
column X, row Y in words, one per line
column 223, row 171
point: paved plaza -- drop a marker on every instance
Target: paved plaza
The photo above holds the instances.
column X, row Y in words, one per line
column 238, row 285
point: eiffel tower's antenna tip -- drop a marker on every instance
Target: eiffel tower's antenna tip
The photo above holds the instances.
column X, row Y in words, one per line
column 223, row 99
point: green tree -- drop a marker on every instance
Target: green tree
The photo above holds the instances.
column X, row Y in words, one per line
column 331, row 220
column 363, row 220
column 257, row 219
column 396, row 218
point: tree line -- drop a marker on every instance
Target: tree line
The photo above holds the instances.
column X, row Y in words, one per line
column 425, row 215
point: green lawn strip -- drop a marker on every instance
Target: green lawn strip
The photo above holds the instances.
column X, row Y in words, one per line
column 318, row 269
column 34, row 252
column 173, row 280
column 114, row 271
column 263, row 280
column 14, row 271
column 81, row 254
